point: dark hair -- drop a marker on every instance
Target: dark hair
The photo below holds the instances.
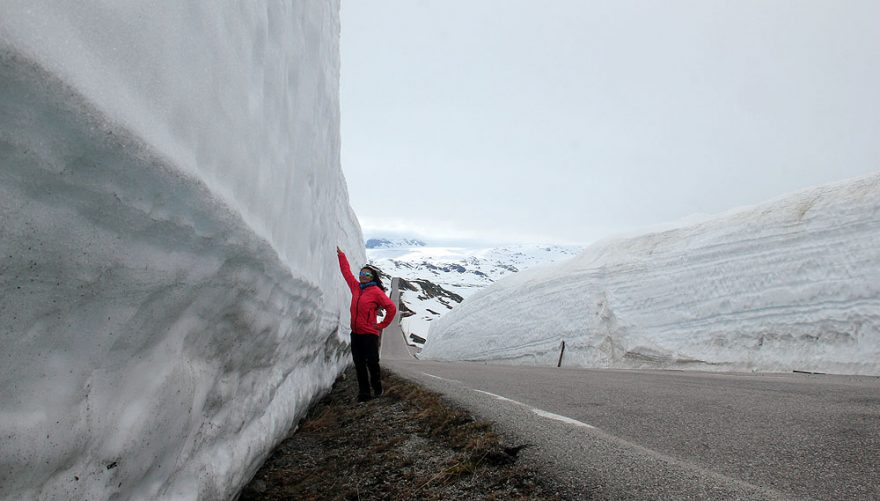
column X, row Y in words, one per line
column 377, row 275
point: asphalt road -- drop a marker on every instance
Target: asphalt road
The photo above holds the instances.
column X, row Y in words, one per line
column 393, row 344
column 677, row 435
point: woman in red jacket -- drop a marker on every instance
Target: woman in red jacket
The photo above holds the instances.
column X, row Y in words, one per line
column 367, row 297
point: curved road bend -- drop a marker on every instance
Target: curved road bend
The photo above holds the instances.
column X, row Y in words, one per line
column 680, row 435
column 393, row 341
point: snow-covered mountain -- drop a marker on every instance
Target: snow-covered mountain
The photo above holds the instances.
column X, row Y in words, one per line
column 437, row 279
column 170, row 201
column 397, row 243
column 793, row 284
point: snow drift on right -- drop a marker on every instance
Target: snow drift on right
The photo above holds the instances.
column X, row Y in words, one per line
column 793, row 284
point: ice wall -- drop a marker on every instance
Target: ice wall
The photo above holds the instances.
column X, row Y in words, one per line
column 793, row 284
column 170, row 202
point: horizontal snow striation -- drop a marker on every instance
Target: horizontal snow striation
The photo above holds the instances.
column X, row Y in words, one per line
column 153, row 345
column 793, row 284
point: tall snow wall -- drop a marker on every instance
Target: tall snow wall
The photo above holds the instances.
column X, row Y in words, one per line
column 793, row 284
column 170, row 201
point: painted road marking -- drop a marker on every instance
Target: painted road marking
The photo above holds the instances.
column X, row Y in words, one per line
column 540, row 412
column 499, row 397
column 550, row 415
column 443, row 378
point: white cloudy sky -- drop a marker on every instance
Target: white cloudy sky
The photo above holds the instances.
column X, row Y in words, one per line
column 568, row 121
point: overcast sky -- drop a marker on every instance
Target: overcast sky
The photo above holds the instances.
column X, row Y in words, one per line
column 568, row 121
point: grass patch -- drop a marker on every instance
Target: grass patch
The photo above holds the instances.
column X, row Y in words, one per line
column 409, row 444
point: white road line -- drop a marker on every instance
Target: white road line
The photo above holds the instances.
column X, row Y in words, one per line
column 443, row 378
column 550, row 415
column 499, row 397
column 539, row 412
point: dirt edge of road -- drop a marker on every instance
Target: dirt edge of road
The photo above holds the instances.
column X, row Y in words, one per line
column 408, row 444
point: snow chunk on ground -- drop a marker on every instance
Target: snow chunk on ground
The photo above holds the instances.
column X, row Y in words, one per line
column 793, row 284
column 170, row 201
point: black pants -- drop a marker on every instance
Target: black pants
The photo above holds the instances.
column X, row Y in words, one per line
column 365, row 353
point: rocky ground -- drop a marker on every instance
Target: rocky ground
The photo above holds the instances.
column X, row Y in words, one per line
column 407, row 444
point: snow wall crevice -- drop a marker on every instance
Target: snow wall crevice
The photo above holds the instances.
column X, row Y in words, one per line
column 156, row 343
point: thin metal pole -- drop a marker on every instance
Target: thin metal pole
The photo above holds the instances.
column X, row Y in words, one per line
column 560, row 355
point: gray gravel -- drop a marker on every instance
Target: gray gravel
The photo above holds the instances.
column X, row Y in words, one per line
column 679, row 435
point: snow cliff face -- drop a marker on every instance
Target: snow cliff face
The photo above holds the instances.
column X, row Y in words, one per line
column 170, row 199
column 790, row 285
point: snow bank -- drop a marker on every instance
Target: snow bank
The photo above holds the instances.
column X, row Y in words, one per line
column 793, row 284
column 170, row 199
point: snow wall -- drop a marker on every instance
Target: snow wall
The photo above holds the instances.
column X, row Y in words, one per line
column 170, row 201
column 793, row 284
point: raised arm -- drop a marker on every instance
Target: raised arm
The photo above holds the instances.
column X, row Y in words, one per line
column 345, row 268
column 390, row 311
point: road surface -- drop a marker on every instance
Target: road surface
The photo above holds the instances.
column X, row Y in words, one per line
column 393, row 342
column 672, row 434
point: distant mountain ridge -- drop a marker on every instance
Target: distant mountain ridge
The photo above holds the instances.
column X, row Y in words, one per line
column 400, row 243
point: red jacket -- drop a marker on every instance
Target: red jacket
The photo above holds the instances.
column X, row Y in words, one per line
column 365, row 302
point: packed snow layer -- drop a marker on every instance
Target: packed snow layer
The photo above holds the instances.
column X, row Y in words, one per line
column 170, row 201
column 793, row 284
